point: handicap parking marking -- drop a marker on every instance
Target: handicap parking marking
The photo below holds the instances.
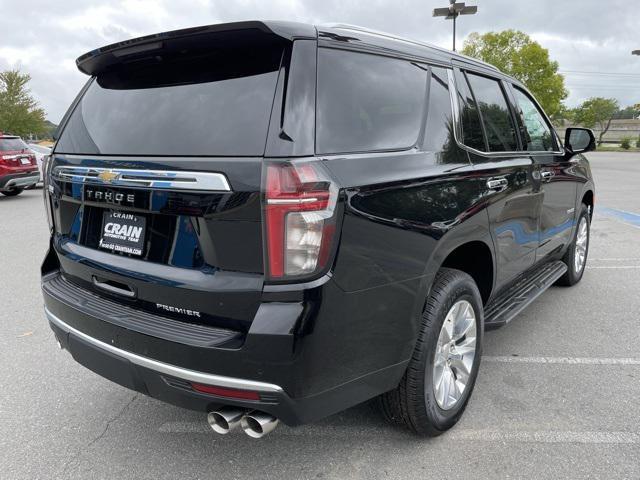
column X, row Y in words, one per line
column 629, row 218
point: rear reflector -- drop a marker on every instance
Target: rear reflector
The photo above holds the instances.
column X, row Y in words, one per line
column 225, row 392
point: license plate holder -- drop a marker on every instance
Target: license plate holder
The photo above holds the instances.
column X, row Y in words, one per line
column 25, row 161
column 123, row 232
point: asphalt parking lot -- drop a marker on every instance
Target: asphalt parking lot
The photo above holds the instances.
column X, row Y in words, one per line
column 558, row 395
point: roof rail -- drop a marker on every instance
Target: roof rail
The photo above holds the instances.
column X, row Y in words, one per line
column 356, row 28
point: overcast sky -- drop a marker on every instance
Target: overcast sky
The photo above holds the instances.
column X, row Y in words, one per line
column 591, row 39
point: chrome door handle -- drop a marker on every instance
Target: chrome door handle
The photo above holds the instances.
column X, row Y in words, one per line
column 497, row 183
column 111, row 287
column 547, row 174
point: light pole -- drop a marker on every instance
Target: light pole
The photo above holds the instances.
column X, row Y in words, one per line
column 451, row 13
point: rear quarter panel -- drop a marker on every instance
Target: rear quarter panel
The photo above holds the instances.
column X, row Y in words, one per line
column 404, row 213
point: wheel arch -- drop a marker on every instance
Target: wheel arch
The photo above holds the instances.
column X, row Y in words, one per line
column 475, row 258
column 470, row 250
column 588, row 198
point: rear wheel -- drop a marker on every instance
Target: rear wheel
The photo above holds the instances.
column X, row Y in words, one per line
column 576, row 256
column 13, row 192
column 441, row 374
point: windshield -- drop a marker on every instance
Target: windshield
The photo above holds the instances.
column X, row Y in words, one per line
column 215, row 103
column 10, row 144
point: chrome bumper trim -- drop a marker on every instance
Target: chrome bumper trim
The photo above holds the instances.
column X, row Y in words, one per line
column 165, row 368
column 23, row 181
column 154, row 179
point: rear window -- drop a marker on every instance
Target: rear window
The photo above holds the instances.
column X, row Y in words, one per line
column 439, row 131
column 8, row 144
column 214, row 103
column 498, row 123
column 472, row 135
column 367, row 102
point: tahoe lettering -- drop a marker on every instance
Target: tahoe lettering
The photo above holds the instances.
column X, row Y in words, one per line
column 109, row 197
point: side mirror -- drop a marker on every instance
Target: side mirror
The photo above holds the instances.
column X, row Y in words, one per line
column 579, row 140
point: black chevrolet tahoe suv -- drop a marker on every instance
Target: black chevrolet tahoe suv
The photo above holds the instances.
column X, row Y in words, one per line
column 271, row 221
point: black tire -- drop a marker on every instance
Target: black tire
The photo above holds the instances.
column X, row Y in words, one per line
column 13, row 192
column 413, row 403
column 572, row 276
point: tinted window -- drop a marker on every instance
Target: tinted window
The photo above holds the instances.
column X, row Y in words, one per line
column 367, row 102
column 472, row 135
column 216, row 103
column 494, row 110
column 537, row 132
column 439, row 131
column 7, row 144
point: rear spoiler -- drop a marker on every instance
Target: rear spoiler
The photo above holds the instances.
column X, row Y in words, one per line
column 102, row 59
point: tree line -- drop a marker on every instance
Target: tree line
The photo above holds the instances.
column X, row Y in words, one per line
column 518, row 55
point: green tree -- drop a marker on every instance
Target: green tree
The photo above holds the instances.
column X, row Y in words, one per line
column 561, row 116
column 19, row 112
column 632, row 111
column 516, row 54
column 596, row 112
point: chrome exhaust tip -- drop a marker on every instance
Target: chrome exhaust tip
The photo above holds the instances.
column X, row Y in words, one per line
column 258, row 424
column 224, row 420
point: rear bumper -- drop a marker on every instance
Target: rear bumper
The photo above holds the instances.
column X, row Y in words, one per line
column 19, row 180
column 160, row 368
column 287, row 372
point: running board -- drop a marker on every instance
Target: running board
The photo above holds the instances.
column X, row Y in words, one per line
column 502, row 309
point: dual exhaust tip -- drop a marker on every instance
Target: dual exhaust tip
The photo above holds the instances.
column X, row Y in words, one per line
column 254, row 423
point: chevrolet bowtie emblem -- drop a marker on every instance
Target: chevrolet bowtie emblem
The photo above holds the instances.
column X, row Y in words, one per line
column 108, row 176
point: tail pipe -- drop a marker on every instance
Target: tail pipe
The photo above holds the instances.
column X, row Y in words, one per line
column 258, row 424
column 226, row 419
column 254, row 423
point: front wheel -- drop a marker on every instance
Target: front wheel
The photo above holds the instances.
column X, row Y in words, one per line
column 442, row 372
column 576, row 256
column 13, row 192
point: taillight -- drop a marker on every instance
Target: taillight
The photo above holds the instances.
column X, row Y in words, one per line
column 300, row 204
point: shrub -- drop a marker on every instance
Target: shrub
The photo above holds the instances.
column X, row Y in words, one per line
column 625, row 143
column 638, row 143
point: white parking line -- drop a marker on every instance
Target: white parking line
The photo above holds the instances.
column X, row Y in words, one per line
column 633, row 259
column 630, row 263
column 562, row 360
column 369, row 431
column 546, row 436
column 613, row 267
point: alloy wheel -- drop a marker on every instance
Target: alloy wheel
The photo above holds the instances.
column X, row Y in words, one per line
column 582, row 241
column 454, row 355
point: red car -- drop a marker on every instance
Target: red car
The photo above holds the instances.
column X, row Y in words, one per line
column 18, row 167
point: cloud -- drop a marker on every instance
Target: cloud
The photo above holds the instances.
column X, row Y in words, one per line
column 583, row 35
